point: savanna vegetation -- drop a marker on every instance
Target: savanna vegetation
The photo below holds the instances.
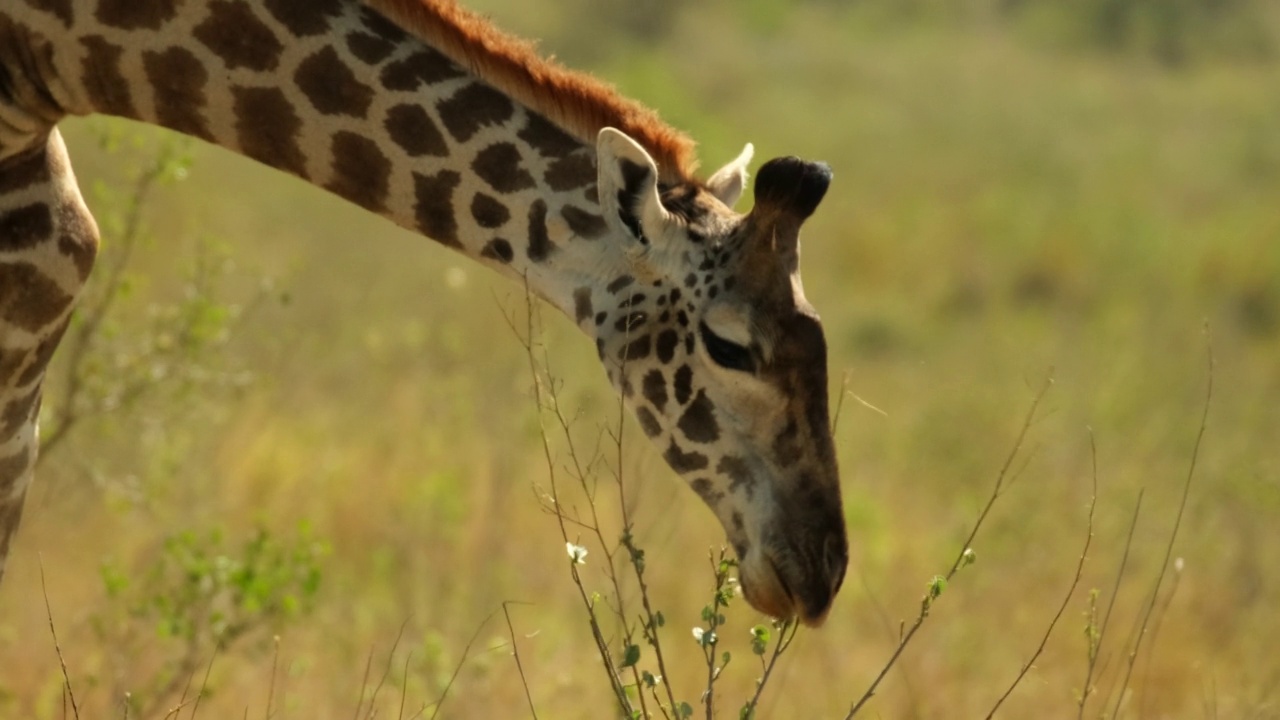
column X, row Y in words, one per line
column 295, row 456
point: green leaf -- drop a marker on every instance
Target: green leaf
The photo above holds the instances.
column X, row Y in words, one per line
column 630, row 656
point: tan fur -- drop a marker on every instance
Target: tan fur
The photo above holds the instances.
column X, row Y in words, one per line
column 577, row 102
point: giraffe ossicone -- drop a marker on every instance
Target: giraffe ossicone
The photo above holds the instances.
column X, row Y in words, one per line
column 422, row 112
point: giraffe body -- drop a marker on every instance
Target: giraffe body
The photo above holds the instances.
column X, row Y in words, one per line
column 420, row 112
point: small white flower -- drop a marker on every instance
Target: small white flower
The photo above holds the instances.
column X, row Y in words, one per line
column 577, row 553
column 698, row 633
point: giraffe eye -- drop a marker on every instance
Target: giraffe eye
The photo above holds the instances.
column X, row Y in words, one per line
column 726, row 353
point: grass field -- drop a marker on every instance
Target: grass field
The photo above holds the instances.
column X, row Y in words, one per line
column 1012, row 201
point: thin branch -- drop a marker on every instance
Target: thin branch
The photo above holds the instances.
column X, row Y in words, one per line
column 66, row 677
column 368, row 663
column 515, row 652
column 1095, row 643
column 1173, row 534
column 386, row 671
column 458, row 668
column 271, row 689
column 1075, row 581
column 965, row 550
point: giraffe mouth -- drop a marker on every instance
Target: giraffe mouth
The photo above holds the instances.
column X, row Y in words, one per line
column 772, row 591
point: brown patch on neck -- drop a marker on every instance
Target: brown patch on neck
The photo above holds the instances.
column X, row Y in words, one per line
column 577, row 102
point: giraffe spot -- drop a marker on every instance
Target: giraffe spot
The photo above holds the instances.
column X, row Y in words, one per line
column 698, row 423
column 24, row 227
column 666, row 345
column 267, row 128
column 648, row 422
column 19, row 412
column 488, row 211
column 786, row 445
column 60, row 9
column 331, row 86
column 498, row 249
column 706, row 490
column 499, row 165
column 592, row 194
column 729, row 282
column 82, row 253
column 43, row 354
column 688, row 343
column 178, row 80
column 540, row 245
column 15, row 464
column 633, row 300
column 571, row 171
column 637, row 349
column 361, row 173
column 305, row 17
column 105, row 85
column 683, row 318
column 683, row 462
column 619, row 283
column 136, row 14
column 739, row 527
column 474, row 107
column 654, row 388
column 683, row 384
column 434, row 207
column 415, row 132
column 547, row 138
column 601, row 317
column 582, row 304
column 30, row 299
column 425, row 66
column 369, row 48
column 238, row 37
column 26, row 168
column 631, row 322
column 739, row 474
column 690, row 280
column 583, row 224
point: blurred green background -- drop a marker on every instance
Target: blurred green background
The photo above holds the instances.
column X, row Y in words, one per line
column 1023, row 188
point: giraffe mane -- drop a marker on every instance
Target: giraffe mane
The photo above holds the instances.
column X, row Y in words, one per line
column 578, row 103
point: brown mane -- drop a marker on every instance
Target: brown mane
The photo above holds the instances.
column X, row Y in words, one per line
column 579, row 103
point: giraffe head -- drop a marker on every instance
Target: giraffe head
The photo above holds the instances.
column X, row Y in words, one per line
column 710, row 339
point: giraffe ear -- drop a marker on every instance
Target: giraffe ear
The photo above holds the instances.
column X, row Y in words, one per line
column 628, row 186
column 729, row 181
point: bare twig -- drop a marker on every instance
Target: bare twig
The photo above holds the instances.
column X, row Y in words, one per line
column 1096, row 641
column 204, row 683
column 1075, row 581
column 457, row 668
column 48, row 609
column 386, row 671
column 786, row 634
column 527, row 341
column 515, row 652
column 364, row 683
column 1173, row 534
column 926, row 602
column 275, row 664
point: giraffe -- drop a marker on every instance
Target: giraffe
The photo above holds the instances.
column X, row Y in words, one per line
column 422, row 112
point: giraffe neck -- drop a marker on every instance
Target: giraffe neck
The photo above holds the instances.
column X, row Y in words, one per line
column 336, row 94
